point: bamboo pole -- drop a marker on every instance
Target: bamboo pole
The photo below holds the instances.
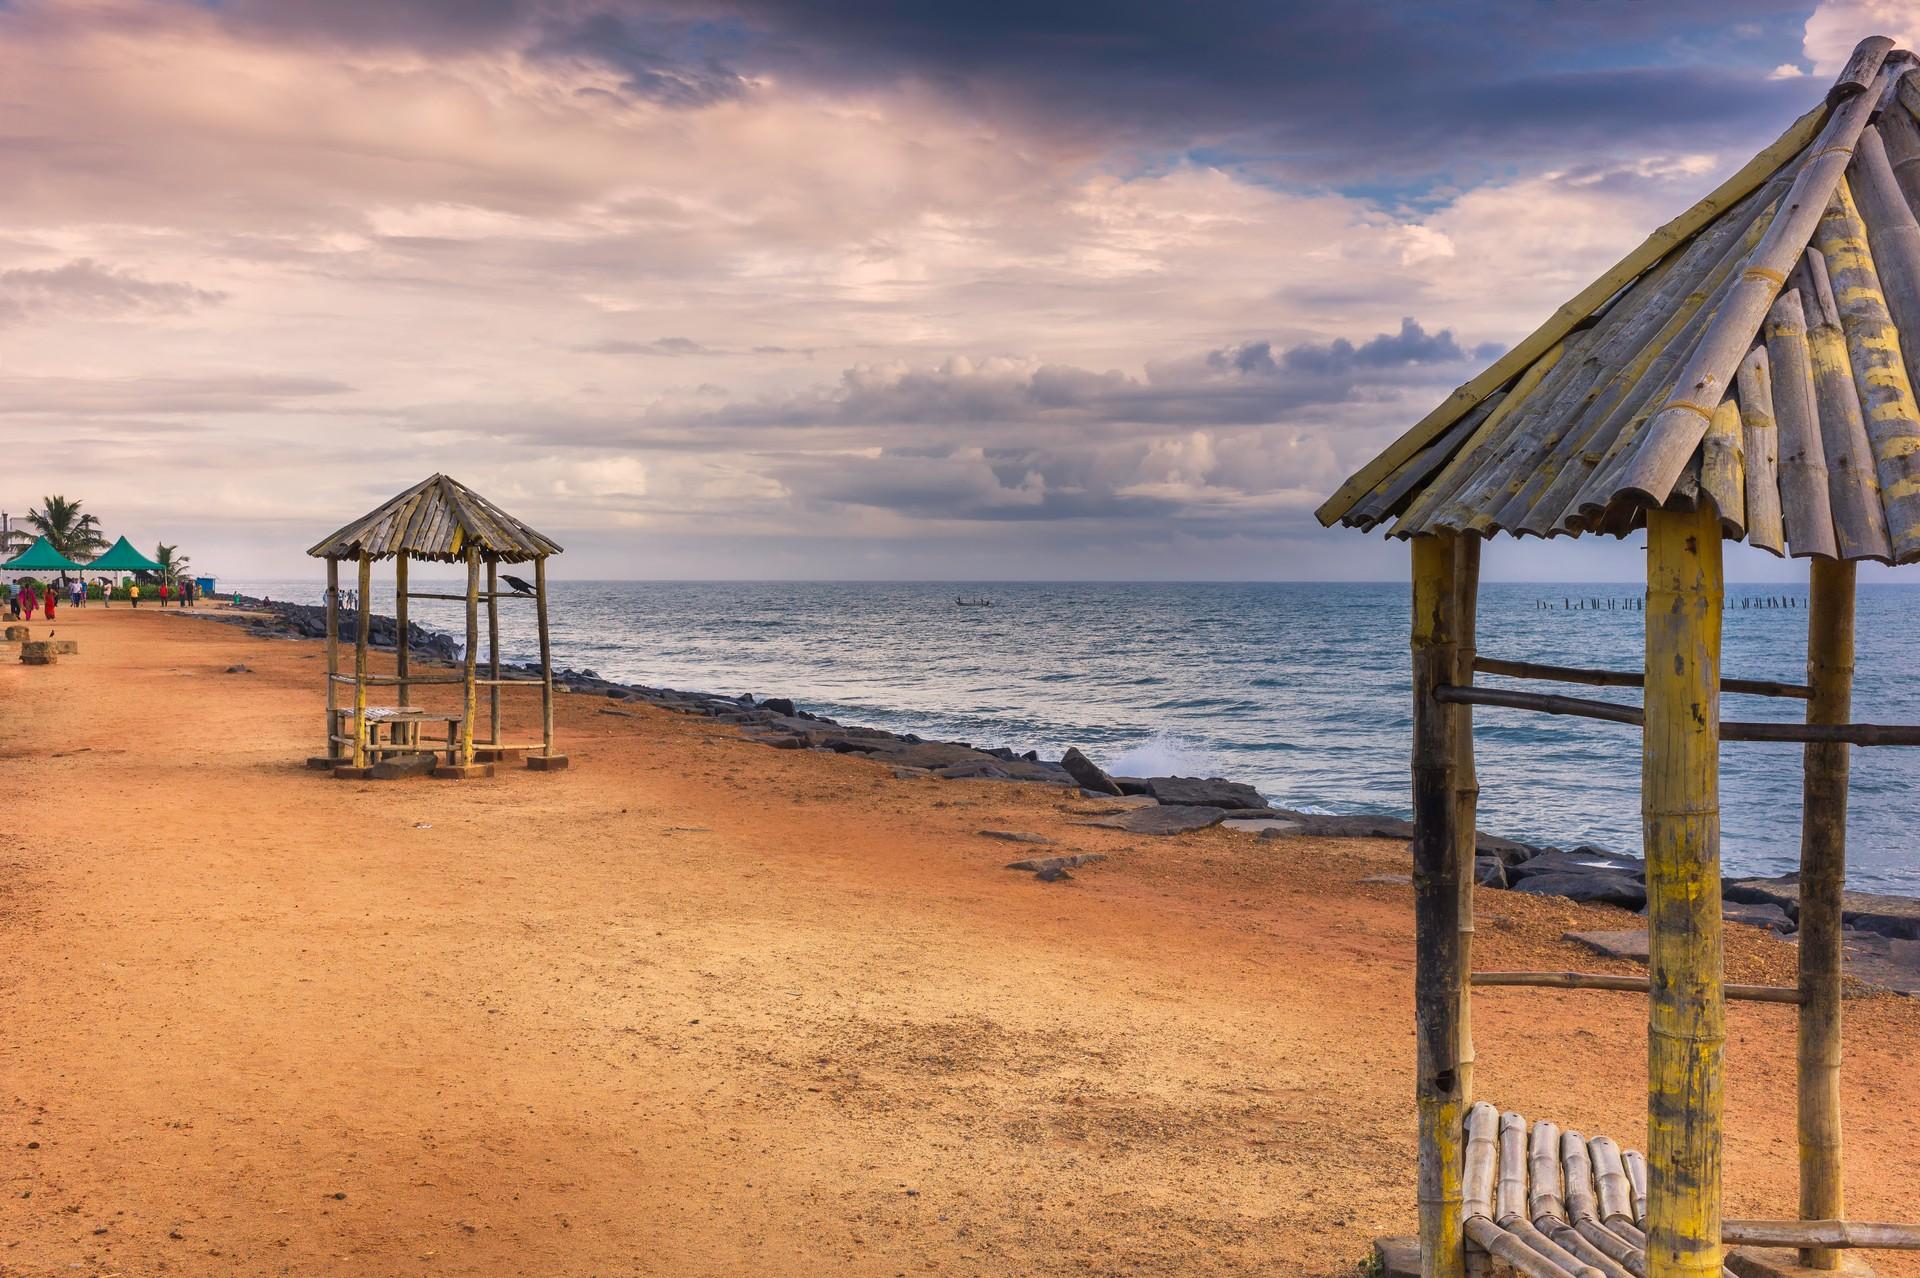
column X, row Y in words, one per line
column 1859, row 524
column 1481, row 1162
column 333, row 652
column 1761, row 448
column 1466, row 784
column 1860, row 734
column 1438, row 969
column 1624, row 983
column 364, row 633
column 1576, row 311
column 1823, row 863
column 1723, row 470
column 1680, row 799
column 1882, row 390
column 1675, row 431
column 1894, row 236
column 1901, row 135
column 1805, row 509
column 546, row 653
column 493, row 652
column 1627, row 678
column 1877, row 1235
column 472, row 655
column 402, row 653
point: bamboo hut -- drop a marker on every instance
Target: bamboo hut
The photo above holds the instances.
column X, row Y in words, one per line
column 1747, row 373
column 439, row 520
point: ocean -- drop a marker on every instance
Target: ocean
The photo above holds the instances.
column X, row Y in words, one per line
column 1298, row 688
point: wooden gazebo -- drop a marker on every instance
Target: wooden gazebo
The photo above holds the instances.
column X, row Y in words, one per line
column 1747, row 373
column 442, row 521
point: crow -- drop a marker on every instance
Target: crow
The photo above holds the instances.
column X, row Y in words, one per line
column 519, row 587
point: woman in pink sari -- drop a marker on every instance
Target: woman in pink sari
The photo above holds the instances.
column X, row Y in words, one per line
column 29, row 599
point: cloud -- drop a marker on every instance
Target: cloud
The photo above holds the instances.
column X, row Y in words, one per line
column 85, row 288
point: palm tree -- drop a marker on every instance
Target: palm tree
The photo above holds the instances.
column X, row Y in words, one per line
column 71, row 532
column 173, row 566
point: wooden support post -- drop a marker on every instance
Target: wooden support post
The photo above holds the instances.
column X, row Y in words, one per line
column 493, row 651
column 1680, row 808
column 1439, row 969
column 364, row 633
column 1466, row 784
column 333, row 653
column 546, row 654
column 1823, row 868
column 473, row 655
column 401, row 654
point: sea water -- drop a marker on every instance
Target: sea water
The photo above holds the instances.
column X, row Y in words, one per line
column 1300, row 689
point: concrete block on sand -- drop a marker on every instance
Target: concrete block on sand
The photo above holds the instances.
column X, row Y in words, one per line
column 1783, row 1262
column 1397, row 1257
column 39, row 653
column 547, row 762
column 462, row 771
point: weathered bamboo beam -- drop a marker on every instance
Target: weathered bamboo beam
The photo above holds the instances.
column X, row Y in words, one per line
column 1869, row 1234
column 1862, row 67
column 1805, row 509
column 546, row 652
column 1881, row 389
column 1479, row 446
column 1823, row 861
column 1577, row 1171
column 1627, row 678
column 333, row 650
column 1680, row 800
column 1761, row 448
column 1676, row 430
column 1438, row 969
column 1723, row 468
column 493, row 650
column 1901, row 134
column 393, row 680
column 1893, row 234
column 1859, row 524
column 1625, row 984
column 1860, row 734
column 1635, row 1164
column 401, row 646
column 364, row 633
column 484, row 594
column 1504, row 1246
column 1466, row 784
column 1481, row 1162
column 1575, row 312
column 472, row 655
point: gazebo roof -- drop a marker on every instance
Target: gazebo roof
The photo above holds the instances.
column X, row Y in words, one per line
column 438, row 518
column 41, row 557
column 122, row 557
column 1760, row 350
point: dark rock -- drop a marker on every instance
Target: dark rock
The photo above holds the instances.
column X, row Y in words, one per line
column 1040, row 865
column 986, row 770
column 1766, row 915
column 1087, row 772
column 1629, row 944
column 1575, row 863
column 1892, row 963
column 1209, row 793
column 779, row 705
column 1162, row 820
column 397, row 766
column 1510, row 851
column 1396, row 1257
column 788, row 743
column 238, row 670
column 1489, row 871
column 619, row 694
column 1606, row 887
column 1783, row 891
column 1053, row 875
column 1131, row 785
column 1016, row 836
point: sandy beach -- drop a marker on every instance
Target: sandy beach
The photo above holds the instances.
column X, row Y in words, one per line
column 698, row 1007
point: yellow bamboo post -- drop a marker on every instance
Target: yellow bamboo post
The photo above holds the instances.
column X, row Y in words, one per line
column 473, row 655
column 1680, row 807
column 1466, row 785
column 364, row 633
column 493, row 650
column 333, row 656
column 1439, row 973
column 546, row 655
column 400, row 656
column 1823, row 867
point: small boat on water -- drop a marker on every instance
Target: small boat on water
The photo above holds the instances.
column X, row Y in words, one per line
column 977, row 601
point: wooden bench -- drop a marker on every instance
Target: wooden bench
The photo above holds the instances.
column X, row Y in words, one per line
column 402, row 724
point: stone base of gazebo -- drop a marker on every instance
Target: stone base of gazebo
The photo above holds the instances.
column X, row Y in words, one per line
column 547, row 762
column 1783, row 1262
column 462, row 771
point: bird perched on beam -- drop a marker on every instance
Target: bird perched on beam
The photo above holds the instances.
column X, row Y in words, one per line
column 519, row 587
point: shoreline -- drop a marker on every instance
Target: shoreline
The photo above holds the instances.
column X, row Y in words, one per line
column 1882, row 926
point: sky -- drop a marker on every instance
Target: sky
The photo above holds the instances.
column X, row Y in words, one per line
column 770, row 289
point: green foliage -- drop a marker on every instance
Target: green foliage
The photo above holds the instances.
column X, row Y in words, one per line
column 173, row 564
column 72, row 531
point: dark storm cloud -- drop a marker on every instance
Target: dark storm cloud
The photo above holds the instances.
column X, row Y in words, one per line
column 1376, row 93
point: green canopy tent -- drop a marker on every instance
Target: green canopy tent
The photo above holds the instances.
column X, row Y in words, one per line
column 121, row 557
column 42, row 557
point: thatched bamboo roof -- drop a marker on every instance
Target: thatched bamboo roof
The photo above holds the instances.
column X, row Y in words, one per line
column 438, row 518
column 1761, row 350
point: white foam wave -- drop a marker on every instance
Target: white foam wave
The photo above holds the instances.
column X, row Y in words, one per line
column 1165, row 755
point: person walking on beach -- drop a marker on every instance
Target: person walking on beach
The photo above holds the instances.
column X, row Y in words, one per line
column 78, row 593
column 13, row 603
column 163, row 592
column 52, row 598
column 29, row 600
column 133, row 593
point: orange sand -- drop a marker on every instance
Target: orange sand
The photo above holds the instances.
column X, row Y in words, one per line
column 700, row 1007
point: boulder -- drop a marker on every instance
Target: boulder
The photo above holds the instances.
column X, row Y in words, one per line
column 1161, row 820
column 1262, row 826
column 19, row 634
column 1767, row 915
column 779, row 705
column 1016, row 836
column 1040, row 865
column 1209, row 793
column 1629, row 944
column 1783, row 891
column 38, row 653
column 1892, row 963
column 1087, row 772
column 397, row 766
column 1489, row 871
column 1510, row 851
column 1108, row 804
column 1575, row 863
column 1604, row 886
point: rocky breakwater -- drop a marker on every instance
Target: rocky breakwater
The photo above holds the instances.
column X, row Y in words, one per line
column 274, row 620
